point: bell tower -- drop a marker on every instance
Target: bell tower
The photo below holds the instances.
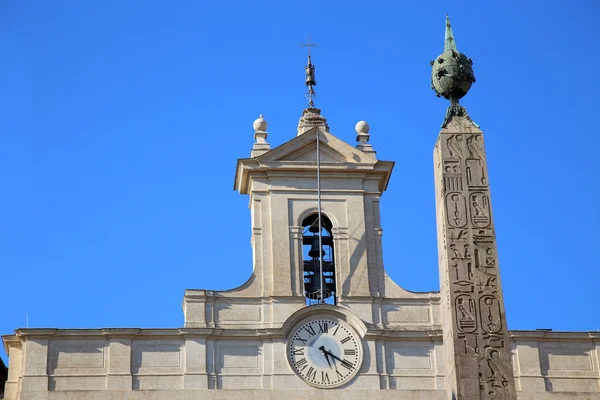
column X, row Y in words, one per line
column 286, row 196
column 316, row 232
column 315, row 210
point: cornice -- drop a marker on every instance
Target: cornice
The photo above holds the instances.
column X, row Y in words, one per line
column 380, row 170
column 550, row 335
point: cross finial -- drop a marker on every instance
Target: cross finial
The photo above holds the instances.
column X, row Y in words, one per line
column 308, row 44
column 310, row 74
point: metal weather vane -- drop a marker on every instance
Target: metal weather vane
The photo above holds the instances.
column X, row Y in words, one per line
column 310, row 80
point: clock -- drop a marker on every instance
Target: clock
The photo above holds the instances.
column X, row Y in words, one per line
column 325, row 352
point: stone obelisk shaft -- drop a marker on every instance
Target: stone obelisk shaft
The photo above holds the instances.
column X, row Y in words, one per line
column 476, row 341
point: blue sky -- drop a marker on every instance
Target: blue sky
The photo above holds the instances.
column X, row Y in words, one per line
column 115, row 117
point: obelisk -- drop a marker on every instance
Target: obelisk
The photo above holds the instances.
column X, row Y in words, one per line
column 476, row 342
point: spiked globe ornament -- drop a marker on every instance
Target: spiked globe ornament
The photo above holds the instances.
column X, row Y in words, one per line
column 452, row 76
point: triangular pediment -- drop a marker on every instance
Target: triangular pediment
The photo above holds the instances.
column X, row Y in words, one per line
column 300, row 155
column 309, row 153
column 303, row 148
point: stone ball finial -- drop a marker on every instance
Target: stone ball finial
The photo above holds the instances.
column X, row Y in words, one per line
column 362, row 127
column 260, row 124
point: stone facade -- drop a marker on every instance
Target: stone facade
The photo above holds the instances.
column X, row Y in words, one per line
column 210, row 362
column 233, row 342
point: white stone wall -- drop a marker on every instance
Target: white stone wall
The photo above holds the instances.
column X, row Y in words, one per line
column 556, row 361
column 213, row 363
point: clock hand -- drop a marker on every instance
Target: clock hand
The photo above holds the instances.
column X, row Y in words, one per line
column 330, row 353
column 322, row 348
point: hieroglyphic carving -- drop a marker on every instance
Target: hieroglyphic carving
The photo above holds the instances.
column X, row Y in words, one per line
column 471, row 277
column 460, row 261
column 495, row 361
column 452, row 166
column 469, row 344
column 483, row 236
column 453, row 146
column 458, row 235
column 493, row 380
column 474, row 147
column 476, row 175
column 466, row 313
column 453, row 183
column 491, row 316
column 456, row 206
column 480, row 209
column 486, row 264
column 493, row 340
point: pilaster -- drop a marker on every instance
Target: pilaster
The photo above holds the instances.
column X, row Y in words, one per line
column 381, row 367
column 268, row 361
column 359, row 275
column 211, row 363
column 119, row 365
column 260, row 231
column 15, row 367
column 278, row 278
column 529, row 368
column 372, row 235
column 476, row 341
column 296, row 264
column 35, row 373
column 195, row 375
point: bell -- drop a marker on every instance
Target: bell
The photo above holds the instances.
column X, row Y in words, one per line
column 314, row 227
column 314, row 248
column 310, row 265
column 313, row 287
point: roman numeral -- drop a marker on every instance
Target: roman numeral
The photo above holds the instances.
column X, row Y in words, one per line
column 311, row 374
column 347, row 364
column 336, row 329
column 339, row 375
column 310, row 330
column 349, row 352
column 346, row 339
column 300, row 352
column 324, row 377
column 301, row 364
column 302, row 340
column 323, row 327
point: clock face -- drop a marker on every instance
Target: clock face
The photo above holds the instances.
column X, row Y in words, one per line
column 325, row 352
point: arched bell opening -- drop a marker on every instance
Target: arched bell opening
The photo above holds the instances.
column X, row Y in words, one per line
column 312, row 256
